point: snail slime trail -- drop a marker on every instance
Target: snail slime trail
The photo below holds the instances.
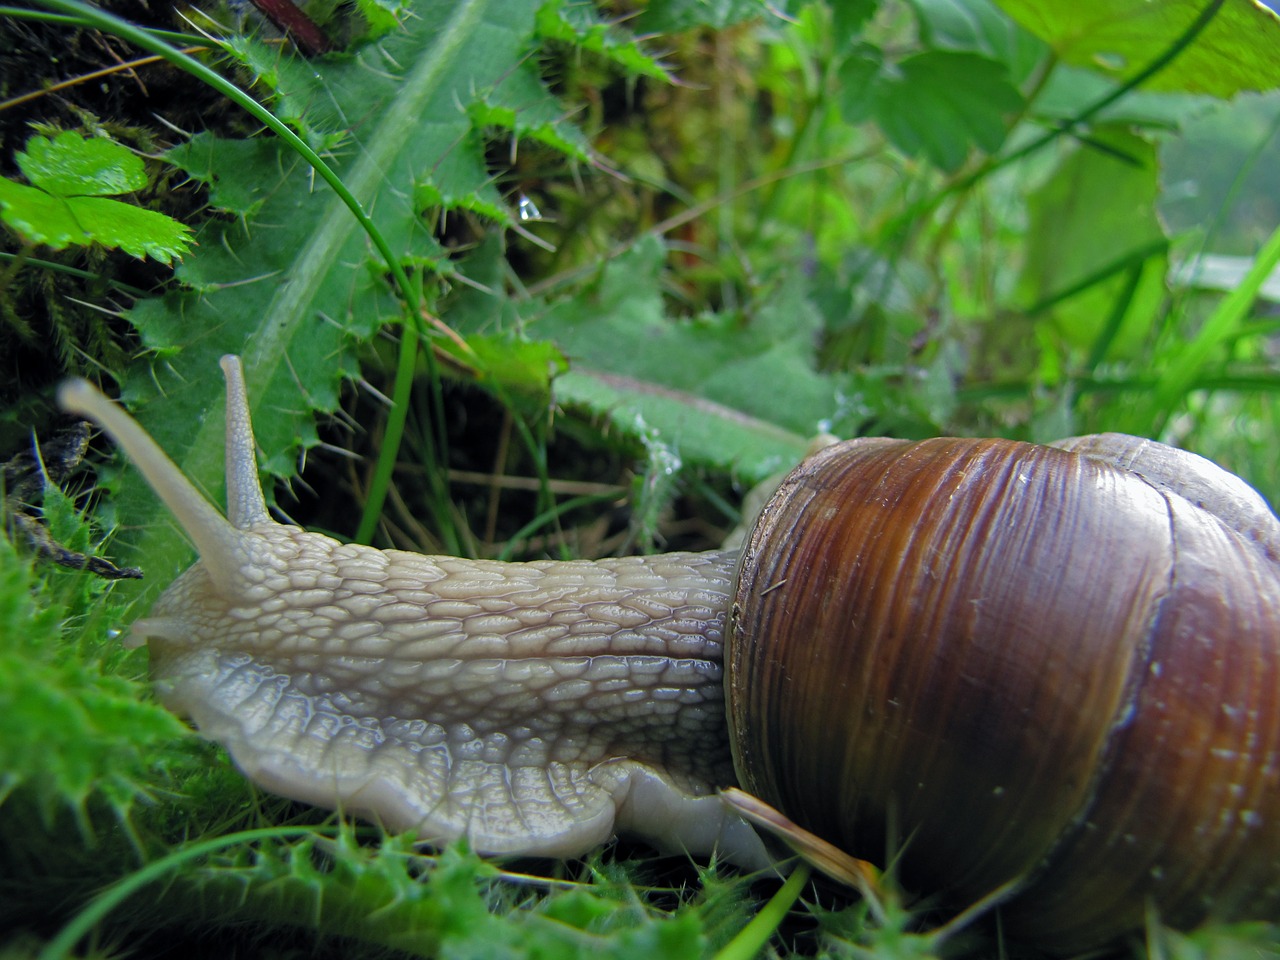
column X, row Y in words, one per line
column 1057, row 666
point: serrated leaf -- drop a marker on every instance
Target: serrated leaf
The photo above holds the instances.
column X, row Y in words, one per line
column 40, row 217
column 70, row 165
column 302, row 94
column 214, row 162
column 524, row 366
column 59, row 222
column 383, row 16
column 941, row 105
column 580, row 25
column 721, row 393
column 135, row 230
column 290, row 283
column 673, row 16
column 1118, row 38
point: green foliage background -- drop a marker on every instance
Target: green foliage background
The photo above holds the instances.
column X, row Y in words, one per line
column 628, row 279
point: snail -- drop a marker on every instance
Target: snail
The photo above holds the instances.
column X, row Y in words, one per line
column 1052, row 670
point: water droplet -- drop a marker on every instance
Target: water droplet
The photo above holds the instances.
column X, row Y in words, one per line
column 527, row 209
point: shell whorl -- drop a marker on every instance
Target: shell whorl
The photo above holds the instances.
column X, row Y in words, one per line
column 1061, row 673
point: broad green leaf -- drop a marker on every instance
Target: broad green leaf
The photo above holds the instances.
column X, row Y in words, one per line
column 206, row 159
column 1119, row 38
column 858, row 74
column 290, row 283
column 1091, row 222
column 702, row 430
column 40, row 217
column 1069, row 90
column 135, row 230
column 978, row 26
column 60, row 222
column 67, row 203
column 941, row 105
column 848, row 17
column 721, row 392
column 70, row 165
column 508, row 362
column 1219, row 175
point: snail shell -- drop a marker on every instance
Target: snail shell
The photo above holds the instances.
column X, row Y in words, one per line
column 1057, row 670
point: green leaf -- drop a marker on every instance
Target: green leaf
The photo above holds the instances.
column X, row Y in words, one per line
column 674, row 16
column 859, row 73
column 73, row 166
column 940, row 105
column 1118, row 38
column 510, row 362
column 67, row 204
column 59, row 222
column 136, row 231
column 1090, row 222
column 1070, row 90
column 720, row 391
column 40, row 217
column 848, row 17
column 978, row 26
column 214, row 162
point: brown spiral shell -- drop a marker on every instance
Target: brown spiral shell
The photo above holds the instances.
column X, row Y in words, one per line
column 1051, row 668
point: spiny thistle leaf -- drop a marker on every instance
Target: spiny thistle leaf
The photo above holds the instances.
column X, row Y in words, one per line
column 580, row 24
column 749, row 402
column 290, row 281
column 454, row 904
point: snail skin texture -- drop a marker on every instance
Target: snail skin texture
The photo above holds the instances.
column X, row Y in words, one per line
column 1049, row 669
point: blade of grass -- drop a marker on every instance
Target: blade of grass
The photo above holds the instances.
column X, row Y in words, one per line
column 1187, row 361
column 70, row 271
column 550, row 515
column 752, row 938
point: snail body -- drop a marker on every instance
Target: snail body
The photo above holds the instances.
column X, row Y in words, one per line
column 1051, row 670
